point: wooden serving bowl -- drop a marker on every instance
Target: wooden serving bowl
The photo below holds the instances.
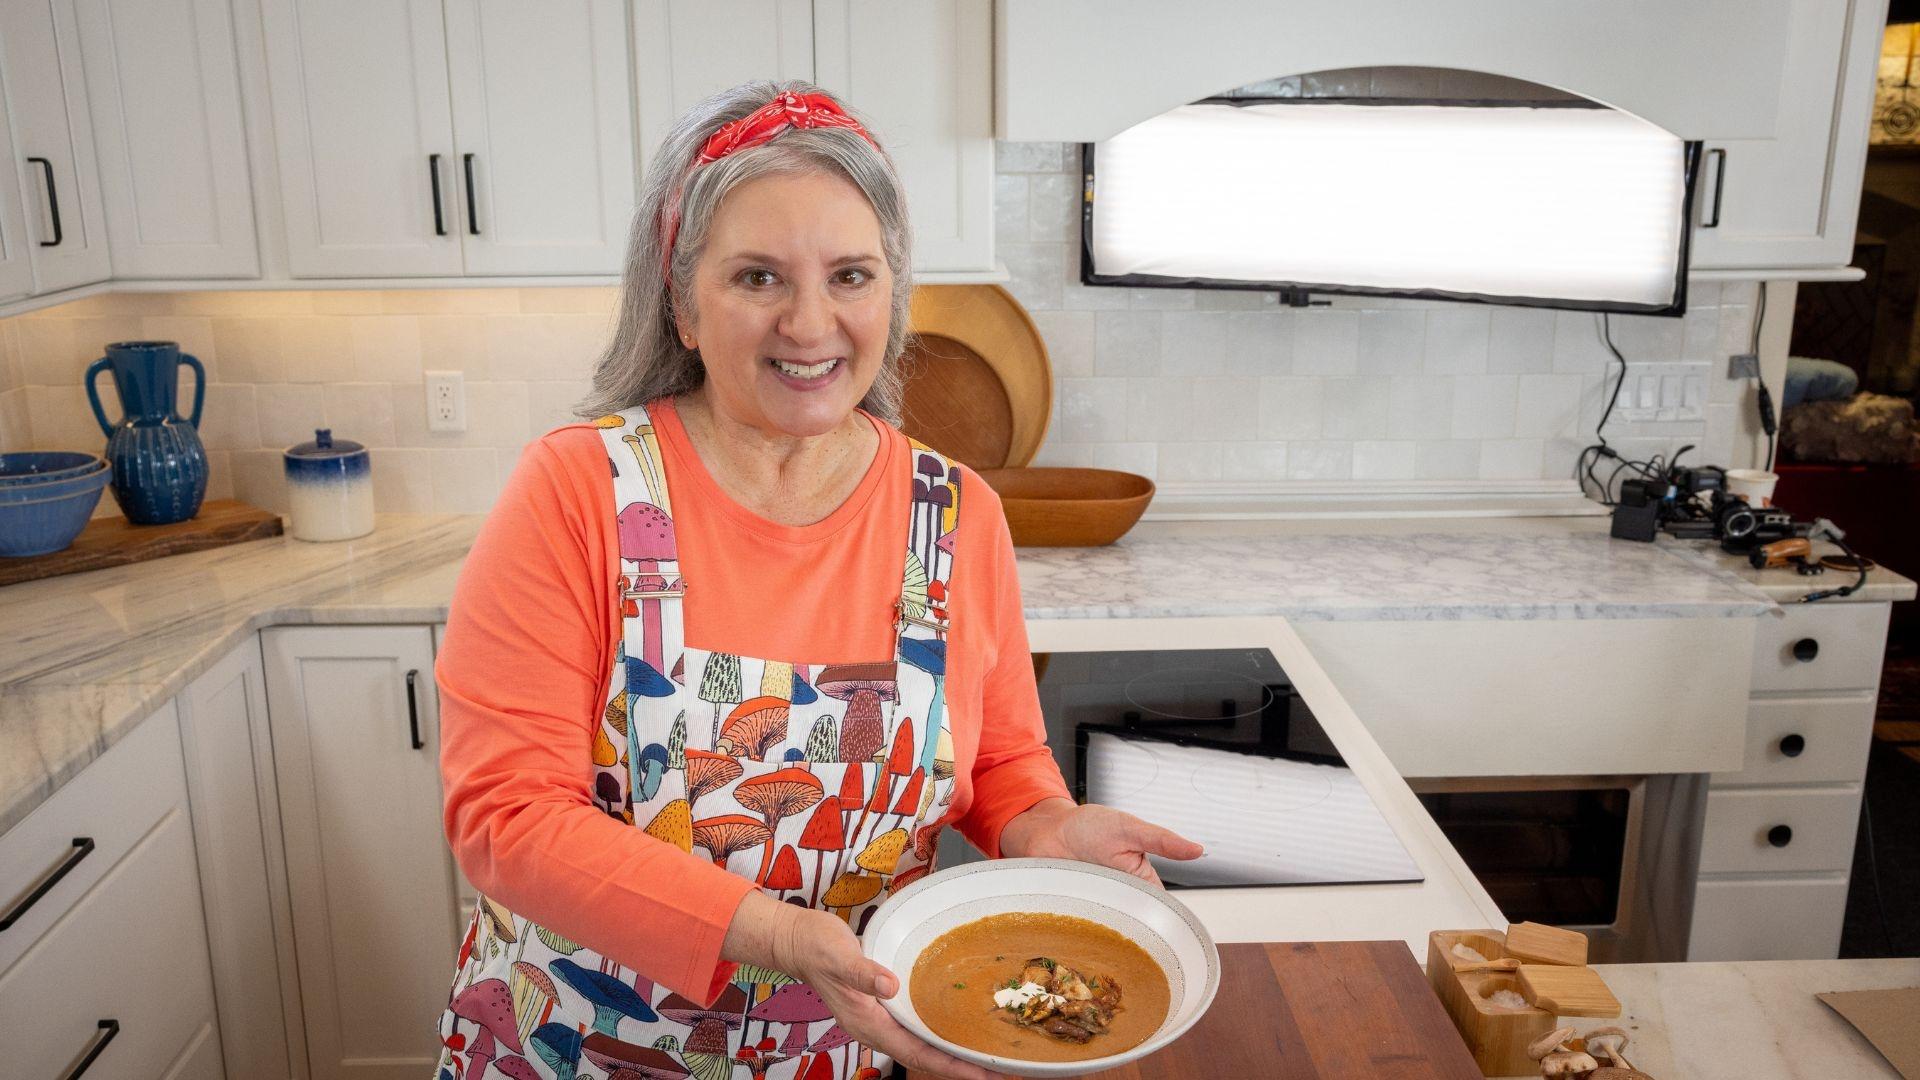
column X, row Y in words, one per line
column 1052, row 507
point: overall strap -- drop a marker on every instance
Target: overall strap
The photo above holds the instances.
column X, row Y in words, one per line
column 933, row 524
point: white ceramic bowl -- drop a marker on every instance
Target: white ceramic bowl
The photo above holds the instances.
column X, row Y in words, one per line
column 911, row 919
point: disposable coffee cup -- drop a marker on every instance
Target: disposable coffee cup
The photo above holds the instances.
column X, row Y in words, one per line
column 1755, row 485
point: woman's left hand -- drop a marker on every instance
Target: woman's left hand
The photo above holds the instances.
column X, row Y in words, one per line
column 1058, row 829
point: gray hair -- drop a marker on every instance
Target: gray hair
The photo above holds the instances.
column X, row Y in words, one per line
column 646, row 359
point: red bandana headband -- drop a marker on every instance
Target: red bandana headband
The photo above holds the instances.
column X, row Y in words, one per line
column 760, row 126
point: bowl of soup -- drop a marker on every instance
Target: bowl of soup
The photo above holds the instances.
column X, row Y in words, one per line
column 1043, row 967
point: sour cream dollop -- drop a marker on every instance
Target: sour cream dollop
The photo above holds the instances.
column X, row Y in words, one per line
column 1019, row 996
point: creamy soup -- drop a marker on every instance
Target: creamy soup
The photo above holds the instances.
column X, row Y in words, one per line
column 954, row 981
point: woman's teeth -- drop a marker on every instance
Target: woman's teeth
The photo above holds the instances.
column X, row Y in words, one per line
column 805, row 371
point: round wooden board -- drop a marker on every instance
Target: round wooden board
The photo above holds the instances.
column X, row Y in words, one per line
column 978, row 385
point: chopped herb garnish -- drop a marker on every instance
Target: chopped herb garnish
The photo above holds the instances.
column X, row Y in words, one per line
column 959, row 986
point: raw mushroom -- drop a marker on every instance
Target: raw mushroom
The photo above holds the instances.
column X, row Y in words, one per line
column 611, row 999
column 1608, row 1043
column 1567, row 1063
column 1548, row 1043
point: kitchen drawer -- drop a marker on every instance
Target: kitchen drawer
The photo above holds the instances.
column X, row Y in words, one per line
column 133, row 950
column 114, row 801
column 1805, row 741
column 1821, row 647
column 1768, row 918
column 1779, row 830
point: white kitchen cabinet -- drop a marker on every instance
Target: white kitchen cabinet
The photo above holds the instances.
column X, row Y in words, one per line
column 1777, row 836
column 113, row 957
column 363, row 127
column 686, row 50
column 1792, row 200
column 46, row 92
column 356, row 751
column 163, row 83
column 16, row 264
column 543, row 126
column 482, row 137
column 243, row 874
column 922, row 74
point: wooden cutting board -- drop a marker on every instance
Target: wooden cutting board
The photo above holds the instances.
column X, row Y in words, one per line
column 1326, row 1009
column 112, row 541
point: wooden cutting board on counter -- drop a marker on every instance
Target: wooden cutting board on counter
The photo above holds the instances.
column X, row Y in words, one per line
column 112, row 541
column 1340, row 1010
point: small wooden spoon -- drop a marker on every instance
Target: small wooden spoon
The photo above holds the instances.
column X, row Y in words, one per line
column 1504, row 964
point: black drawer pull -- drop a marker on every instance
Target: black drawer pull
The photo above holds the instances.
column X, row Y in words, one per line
column 1780, row 835
column 112, row 1028
column 473, row 218
column 433, row 170
column 82, row 847
column 1719, row 186
column 1805, row 650
column 53, row 201
column 1792, row 745
column 413, row 709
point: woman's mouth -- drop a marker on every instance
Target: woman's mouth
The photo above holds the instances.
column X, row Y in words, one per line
column 805, row 374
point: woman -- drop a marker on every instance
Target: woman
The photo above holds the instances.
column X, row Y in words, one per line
column 723, row 661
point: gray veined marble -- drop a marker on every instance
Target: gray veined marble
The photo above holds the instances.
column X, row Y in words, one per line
column 1423, row 576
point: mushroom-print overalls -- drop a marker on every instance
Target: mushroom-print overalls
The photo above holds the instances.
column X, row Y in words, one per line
column 823, row 784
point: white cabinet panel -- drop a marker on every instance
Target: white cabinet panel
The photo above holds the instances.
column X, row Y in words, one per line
column 1768, row 918
column 1793, row 199
column 1821, row 647
column 543, row 129
column 686, row 50
column 53, row 143
column 922, row 74
column 371, row 876
column 16, row 262
column 1779, row 830
column 164, row 86
column 363, row 129
column 1804, row 741
column 243, row 877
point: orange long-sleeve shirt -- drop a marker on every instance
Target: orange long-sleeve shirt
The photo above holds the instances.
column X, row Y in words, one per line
column 530, row 639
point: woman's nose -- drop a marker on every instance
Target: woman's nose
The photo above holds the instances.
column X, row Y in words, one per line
column 808, row 317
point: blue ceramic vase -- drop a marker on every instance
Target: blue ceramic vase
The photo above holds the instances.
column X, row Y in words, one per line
column 159, row 464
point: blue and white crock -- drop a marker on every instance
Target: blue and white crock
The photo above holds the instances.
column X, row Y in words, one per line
column 329, row 488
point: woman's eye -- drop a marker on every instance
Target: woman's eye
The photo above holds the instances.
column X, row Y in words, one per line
column 855, row 277
column 755, row 278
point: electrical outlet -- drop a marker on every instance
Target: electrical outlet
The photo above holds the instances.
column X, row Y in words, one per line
column 446, row 401
column 1743, row 366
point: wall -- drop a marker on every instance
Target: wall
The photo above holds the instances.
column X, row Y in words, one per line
column 1210, row 393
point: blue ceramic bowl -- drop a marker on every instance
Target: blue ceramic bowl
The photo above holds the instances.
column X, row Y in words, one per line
column 41, row 526
column 44, row 466
column 50, row 489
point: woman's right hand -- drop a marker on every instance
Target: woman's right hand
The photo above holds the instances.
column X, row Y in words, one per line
column 821, row 951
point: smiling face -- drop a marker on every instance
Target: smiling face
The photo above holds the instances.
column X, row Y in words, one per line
column 791, row 301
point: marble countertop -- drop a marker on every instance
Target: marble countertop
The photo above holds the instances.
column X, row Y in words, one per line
column 89, row 655
column 1729, row 1021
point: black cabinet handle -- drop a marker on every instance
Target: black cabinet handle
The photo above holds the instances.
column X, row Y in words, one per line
column 1780, row 835
column 82, row 847
column 1805, row 650
column 53, row 201
column 473, row 219
column 1792, row 745
column 413, row 709
column 433, row 170
column 1719, row 185
column 112, row 1028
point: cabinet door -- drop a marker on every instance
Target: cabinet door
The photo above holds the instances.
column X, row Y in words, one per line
column 164, row 85
column 363, row 136
column 1792, row 200
column 686, row 50
column 923, row 74
column 543, row 129
column 16, row 265
column 369, row 869
column 243, row 873
column 53, row 143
